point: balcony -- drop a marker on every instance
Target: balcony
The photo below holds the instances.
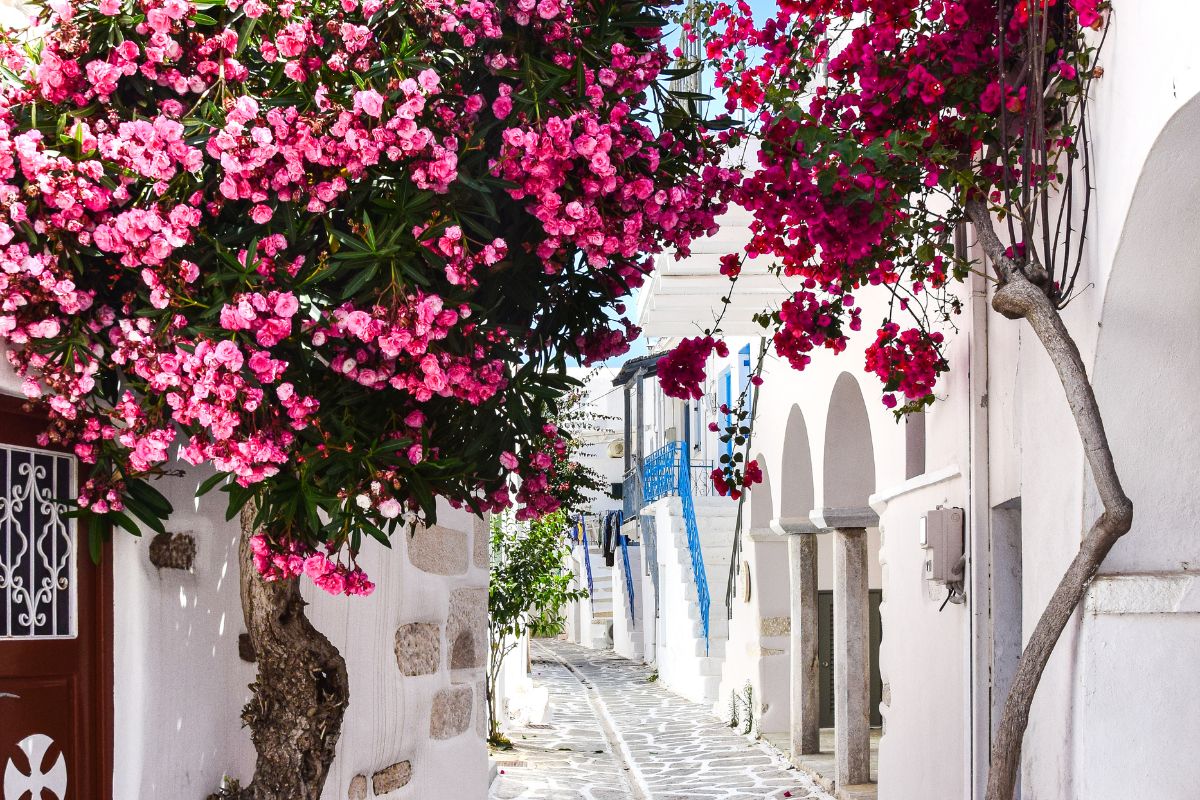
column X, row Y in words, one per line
column 683, row 296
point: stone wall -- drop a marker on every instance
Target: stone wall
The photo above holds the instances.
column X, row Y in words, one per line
column 415, row 651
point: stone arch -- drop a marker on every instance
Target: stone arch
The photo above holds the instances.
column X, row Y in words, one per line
column 796, row 487
column 848, row 468
column 1147, row 371
column 762, row 501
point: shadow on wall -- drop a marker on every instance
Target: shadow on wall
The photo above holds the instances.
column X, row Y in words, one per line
column 179, row 681
column 796, row 495
column 1147, row 372
column 849, row 462
column 762, row 503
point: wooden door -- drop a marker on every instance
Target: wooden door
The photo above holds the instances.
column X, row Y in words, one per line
column 55, row 629
column 825, row 656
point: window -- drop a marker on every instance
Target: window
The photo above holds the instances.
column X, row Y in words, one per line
column 37, row 544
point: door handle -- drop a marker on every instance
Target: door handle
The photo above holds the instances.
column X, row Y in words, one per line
column 9, row 694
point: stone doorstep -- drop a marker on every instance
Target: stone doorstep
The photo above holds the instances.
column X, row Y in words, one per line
column 820, row 767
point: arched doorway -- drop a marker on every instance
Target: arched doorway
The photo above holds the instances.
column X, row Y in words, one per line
column 1137, row 646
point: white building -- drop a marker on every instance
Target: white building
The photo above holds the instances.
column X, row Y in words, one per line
column 601, row 619
column 847, row 489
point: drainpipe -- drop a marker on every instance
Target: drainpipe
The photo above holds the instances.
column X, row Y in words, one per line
column 641, row 422
column 628, row 429
column 979, row 565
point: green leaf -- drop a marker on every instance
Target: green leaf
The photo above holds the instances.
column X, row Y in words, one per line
column 238, row 497
column 360, row 280
column 208, row 484
column 145, row 514
column 151, row 497
column 97, row 535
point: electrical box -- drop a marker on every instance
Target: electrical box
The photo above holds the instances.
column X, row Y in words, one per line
column 942, row 537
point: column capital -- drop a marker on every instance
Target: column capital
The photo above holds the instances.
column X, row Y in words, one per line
column 830, row 518
column 790, row 525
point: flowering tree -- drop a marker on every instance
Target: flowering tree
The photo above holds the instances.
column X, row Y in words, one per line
column 886, row 126
column 342, row 251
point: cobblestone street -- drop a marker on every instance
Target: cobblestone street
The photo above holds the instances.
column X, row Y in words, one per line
column 613, row 735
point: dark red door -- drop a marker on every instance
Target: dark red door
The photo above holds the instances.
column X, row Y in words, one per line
column 55, row 629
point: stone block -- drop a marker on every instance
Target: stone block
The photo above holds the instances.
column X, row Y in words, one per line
column 358, row 788
column 482, row 541
column 173, row 550
column 389, row 779
column 776, row 626
column 466, row 628
column 451, row 714
column 440, row 550
column 419, row 648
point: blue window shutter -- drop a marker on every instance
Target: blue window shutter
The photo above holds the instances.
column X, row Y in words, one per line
column 727, row 399
column 744, row 368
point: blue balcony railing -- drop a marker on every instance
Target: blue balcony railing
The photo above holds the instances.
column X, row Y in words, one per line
column 587, row 557
column 668, row 471
column 628, row 572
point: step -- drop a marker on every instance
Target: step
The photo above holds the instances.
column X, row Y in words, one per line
column 716, row 648
column 716, row 632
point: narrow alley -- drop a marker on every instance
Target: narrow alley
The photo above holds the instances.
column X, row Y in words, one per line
column 614, row 734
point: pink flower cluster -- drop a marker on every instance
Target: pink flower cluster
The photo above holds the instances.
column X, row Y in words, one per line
column 398, row 348
column 617, row 212
column 219, row 240
column 206, row 388
column 461, row 260
column 268, row 316
column 538, row 493
column 731, row 484
column 288, row 155
column 291, row 559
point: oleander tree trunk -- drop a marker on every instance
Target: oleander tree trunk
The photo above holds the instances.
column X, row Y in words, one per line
column 1022, row 296
column 300, row 694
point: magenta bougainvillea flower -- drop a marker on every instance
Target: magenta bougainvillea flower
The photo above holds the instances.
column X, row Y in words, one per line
column 878, row 121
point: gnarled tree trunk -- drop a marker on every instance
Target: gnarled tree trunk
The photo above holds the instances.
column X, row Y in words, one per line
column 300, row 694
column 1021, row 296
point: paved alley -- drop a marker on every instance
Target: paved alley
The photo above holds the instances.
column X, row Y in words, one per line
column 613, row 735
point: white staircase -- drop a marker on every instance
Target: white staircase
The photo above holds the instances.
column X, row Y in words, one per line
column 597, row 633
column 686, row 662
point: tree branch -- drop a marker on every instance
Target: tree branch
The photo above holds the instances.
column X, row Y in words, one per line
column 1019, row 298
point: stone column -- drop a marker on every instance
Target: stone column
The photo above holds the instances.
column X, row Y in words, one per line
column 851, row 642
column 805, row 678
column 851, row 669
